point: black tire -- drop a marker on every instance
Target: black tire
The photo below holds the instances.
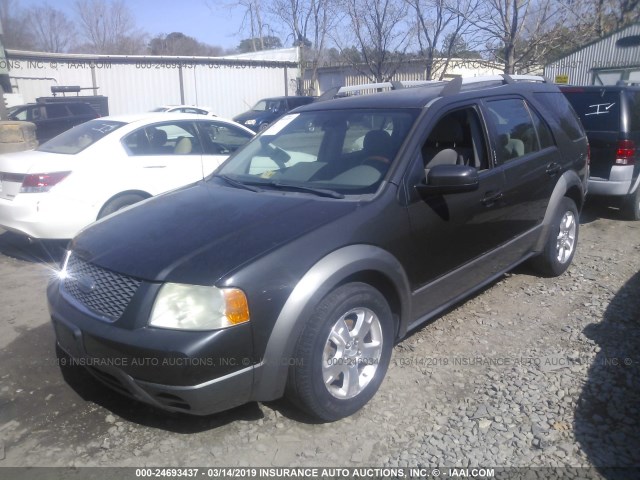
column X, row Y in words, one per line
column 263, row 127
column 367, row 355
column 119, row 203
column 562, row 240
column 631, row 205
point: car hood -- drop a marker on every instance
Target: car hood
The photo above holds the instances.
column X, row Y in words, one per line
column 34, row 161
column 200, row 233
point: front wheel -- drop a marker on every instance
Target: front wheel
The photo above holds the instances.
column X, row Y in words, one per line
column 343, row 353
column 562, row 240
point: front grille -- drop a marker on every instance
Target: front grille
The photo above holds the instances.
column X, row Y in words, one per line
column 102, row 291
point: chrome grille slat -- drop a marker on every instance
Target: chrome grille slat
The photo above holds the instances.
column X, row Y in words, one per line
column 110, row 293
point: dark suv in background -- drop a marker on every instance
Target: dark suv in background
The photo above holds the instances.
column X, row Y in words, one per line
column 309, row 253
column 611, row 117
column 51, row 119
column 268, row 110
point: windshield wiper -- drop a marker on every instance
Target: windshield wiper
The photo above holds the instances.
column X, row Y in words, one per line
column 317, row 191
column 238, row 183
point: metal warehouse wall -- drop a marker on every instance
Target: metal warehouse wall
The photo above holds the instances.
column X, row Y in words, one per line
column 140, row 83
column 601, row 55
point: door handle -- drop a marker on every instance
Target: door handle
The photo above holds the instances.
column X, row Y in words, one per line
column 491, row 197
column 553, row 169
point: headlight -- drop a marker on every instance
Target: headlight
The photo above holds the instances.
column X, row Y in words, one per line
column 250, row 122
column 194, row 307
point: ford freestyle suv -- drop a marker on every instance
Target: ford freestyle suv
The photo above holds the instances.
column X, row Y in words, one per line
column 611, row 117
column 297, row 265
column 268, row 110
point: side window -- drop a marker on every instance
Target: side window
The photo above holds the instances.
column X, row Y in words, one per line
column 562, row 110
column 221, row 139
column 56, row 111
column 457, row 139
column 515, row 134
column 544, row 133
column 177, row 138
column 79, row 108
column 34, row 113
column 21, row 115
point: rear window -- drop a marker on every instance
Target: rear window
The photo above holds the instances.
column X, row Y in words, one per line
column 80, row 137
column 598, row 110
column 567, row 118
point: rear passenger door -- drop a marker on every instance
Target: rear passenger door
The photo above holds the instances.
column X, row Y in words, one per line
column 526, row 153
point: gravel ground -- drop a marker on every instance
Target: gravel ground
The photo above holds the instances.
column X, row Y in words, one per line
column 530, row 372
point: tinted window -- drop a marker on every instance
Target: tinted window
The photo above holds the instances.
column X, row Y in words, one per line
column 80, row 137
column 598, row 110
column 544, row 133
column 80, row 108
column 566, row 116
column 516, row 135
column 56, row 111
column 634, row 110
column 222, row 139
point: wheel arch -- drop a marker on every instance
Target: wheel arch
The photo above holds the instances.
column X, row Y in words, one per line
column 355, row 263
column 568, row 185
column 140, row 193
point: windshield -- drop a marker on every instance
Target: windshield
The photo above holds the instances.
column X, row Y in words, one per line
column 346, row 152
column 267, row 105
column 80, row 137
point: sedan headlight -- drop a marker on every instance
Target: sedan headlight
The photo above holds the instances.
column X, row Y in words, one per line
column 194, row 307
column 250, row 122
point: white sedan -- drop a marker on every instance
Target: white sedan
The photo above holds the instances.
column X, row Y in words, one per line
column 106, row 164
column 185, row 109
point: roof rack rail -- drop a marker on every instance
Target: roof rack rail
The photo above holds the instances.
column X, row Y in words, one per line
column 502, row 79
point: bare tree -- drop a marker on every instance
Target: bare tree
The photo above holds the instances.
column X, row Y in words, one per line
column 109, row 27
column 52, row 29
column 441, row 24
column 519, row 33
column 252, row 20
column 308, row 22
column 380, row 34
column 16, row 33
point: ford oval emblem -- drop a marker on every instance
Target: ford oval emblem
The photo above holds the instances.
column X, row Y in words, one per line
column 86, row 284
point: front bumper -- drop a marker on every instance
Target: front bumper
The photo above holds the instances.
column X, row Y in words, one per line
column 198, row 373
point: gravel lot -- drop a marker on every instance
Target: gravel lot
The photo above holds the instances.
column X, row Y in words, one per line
column 530, row 372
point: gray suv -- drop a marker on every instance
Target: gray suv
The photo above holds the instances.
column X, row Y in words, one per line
column 296, row 266
column 611, row 117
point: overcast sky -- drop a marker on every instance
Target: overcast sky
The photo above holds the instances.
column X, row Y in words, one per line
column 215, row 24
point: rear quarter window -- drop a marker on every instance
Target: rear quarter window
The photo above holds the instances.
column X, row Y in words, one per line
column 599, row 111
column 634, row 110
column 567, row 118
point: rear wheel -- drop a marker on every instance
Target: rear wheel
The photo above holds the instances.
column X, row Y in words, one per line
column 119, row 203
column 631, row 205
column 562, row 240
column 343, row 353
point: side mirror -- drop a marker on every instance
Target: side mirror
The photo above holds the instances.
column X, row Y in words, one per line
column 443, row 179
